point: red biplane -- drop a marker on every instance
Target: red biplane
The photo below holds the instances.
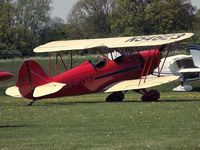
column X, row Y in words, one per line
column 126, row 66
column 5, row 75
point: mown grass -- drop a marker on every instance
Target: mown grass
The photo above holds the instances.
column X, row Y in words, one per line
column 88, row 122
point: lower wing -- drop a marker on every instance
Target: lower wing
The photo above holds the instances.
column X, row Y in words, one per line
column 151, row 81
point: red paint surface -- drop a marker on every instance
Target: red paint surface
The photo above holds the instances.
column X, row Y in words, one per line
column 5, row 76
column 86, row 78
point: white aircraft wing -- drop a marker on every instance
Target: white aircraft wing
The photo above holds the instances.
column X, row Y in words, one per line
column 189, row 70
column 134, row 84
column 118, row 42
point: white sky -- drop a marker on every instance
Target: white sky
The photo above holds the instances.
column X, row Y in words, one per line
column 196, row 3
column 62, row 7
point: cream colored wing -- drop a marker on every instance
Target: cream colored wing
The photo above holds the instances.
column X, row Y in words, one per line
column 13, row 91
column 118, row 42
column 39, row 91
column 134, row 84
column 47, row 89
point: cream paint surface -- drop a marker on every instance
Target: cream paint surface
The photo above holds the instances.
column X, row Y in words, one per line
column 134, row 84
column 118, row 42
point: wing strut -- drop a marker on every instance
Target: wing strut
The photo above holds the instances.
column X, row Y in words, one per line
column 71, row 58
column 56, row 64
column 144, row 68
column 62, row 61
column 49, row 64
column 111, row 54
column 147, row 66
column 101, row 53
column 160, row 69
column 58, row 54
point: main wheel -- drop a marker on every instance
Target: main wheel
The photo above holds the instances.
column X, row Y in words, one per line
column 115, row 97
column 152, row 95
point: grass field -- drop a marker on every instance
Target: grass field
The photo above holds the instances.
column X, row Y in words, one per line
column 88, row 122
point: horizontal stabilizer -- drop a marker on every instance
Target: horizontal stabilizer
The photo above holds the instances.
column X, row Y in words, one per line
column 47, row 89
column 13, row 91
column 189, row 70
column 151, row 81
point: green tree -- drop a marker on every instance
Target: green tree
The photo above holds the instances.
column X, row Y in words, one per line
column 90, row 18
column 196, row 27
column 31, row 17
column 5, row 22
column 134, row 17
column 56, row 30
column 7, row 47
column 177, row 15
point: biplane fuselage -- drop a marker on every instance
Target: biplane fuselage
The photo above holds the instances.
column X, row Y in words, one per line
column 89, row 78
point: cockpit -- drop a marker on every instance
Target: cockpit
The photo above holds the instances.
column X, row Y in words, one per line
column 112, row 56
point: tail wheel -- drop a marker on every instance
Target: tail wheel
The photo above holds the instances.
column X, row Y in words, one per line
column 152, row 95
column 115, row 97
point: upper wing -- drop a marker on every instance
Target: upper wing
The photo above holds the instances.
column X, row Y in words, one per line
column 134, row 84
column 119, row 42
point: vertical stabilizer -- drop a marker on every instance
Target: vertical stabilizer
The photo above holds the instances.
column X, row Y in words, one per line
column 195, row 51
column 30, row 76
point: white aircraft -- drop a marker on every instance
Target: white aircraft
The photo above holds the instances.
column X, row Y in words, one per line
column 186, row 66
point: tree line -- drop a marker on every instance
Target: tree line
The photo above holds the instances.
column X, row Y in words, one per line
column 25, row 24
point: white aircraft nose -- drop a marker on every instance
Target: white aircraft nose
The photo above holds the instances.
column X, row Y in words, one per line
column 184, row 88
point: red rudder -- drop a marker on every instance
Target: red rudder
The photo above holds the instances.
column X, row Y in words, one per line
column 30, row 76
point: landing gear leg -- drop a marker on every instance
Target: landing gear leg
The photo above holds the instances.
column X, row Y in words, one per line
column 115, row 97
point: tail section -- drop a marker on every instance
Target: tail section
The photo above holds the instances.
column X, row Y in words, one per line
column 30, row 76
column 195, row 51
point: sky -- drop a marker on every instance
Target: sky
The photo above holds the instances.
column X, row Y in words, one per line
column 196, row 3
column 62, row 7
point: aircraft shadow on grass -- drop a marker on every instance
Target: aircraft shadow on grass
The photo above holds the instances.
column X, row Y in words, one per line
column 69, row 103
column 196, row 89
column 178, row 101
column 14, row 126
column 103, row 102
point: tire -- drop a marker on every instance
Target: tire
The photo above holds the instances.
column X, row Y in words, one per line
column 150, row 96
column 115, row 97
